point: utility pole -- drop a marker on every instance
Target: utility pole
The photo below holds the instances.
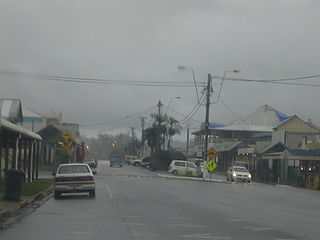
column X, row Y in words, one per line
column 142, row 134
column 159, row 123
column 206, row 127
column 188, row 140
column 132, row 138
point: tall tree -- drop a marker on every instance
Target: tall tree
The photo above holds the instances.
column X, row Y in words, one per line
column 173, row 129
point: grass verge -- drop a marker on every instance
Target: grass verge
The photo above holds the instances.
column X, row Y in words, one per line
column 30, row 189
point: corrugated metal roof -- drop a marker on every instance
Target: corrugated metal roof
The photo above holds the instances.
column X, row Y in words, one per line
column 15, row 128
column 11, row 109
column 263, row 119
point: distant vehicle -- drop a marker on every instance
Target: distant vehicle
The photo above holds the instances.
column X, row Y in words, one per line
column 180, row 167
column 116, row 161
column 146, row 162
column 92, row 164
column 129, row 159
column 137, row 162
column 74, row 178
column 238, row 173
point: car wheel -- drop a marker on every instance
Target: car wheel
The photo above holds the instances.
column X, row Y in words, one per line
column 57, row 195
column 92, row 193
column 175, row 172
column 121, row 166
column 111, row 165
column 249, row 181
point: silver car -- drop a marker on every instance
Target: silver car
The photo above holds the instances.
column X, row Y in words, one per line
column 237, row 173
column 74, row 178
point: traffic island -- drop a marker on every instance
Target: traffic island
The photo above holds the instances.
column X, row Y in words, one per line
column 164, row 175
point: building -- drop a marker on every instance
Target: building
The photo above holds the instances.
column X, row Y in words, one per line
column 236, row 141
column 32, row 121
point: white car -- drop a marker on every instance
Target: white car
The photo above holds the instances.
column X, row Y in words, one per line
column 74, row 178
column 180, row 167
column 237, row 173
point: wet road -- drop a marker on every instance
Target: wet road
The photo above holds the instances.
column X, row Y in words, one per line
column 133, row 203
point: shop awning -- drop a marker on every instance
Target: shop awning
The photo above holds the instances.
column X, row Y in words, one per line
column 18, row 129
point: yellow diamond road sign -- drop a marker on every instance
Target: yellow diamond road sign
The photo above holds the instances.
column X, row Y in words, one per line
column 212, row 153
column 211, row 165
column 66, row 144
column 66, row 135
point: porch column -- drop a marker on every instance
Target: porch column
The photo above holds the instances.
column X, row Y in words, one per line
column 29, row 160
column 37, row 158
column 6, row 159
column 33, row 159
column 0, row 156
column 25, row 155
column 20, row 146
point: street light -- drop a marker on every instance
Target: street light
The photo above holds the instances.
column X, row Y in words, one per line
column 170, row 103
column 224, row 76
column 183, row 68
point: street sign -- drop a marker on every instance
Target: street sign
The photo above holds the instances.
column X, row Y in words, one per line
column 211, row 165
column 66, row 135
column 212, row 153
column 66, row 144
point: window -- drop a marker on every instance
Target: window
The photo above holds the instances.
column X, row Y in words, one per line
column 180, row 164
column 190, row 165
column 74, row 169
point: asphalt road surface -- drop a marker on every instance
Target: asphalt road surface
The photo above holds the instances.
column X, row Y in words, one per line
column 134, row 203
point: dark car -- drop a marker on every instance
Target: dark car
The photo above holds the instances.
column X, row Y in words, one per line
column 116, row 161
column 145, row 163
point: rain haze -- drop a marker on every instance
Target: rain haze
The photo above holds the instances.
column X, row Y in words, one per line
column 145, row 41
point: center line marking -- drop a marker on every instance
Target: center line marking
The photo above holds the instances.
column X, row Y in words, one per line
column 109, row 192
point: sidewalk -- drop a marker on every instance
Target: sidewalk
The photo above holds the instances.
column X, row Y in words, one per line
column 11, row 208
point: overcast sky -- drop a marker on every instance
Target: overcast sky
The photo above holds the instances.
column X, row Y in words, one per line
column 145, row 40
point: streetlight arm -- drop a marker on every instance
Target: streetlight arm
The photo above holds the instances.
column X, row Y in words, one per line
column 224, row 76
column 195, row 85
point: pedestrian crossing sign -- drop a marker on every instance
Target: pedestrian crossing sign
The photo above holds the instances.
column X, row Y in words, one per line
column 211, row 165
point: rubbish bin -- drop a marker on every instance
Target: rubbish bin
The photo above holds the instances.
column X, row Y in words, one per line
column 13, row 184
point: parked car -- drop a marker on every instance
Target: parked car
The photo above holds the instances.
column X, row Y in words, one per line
column 237, row 173
column 137, row 162
column 92, row 164
column 145, row 163
column 74, row 178
column 180, row 167
column 116, row 161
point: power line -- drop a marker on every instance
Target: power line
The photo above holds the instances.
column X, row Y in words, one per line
column 116, row 120
column 275, row 81
column 84, row 80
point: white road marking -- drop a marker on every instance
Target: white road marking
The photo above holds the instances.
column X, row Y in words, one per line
column 214, row 237
column 131, row 216
column 205, row 236
column 145, row 234
column 257, row 229
column 179, row 217
column 195, row 235
column 109, row 192
column 80, row 233
column 135, row 224
column 186, row 225
column 237, row 220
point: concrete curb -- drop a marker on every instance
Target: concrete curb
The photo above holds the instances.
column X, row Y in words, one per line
column 190, row 178
column 7, row 213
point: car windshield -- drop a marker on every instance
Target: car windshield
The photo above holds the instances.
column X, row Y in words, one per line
column 73, row 169
column 240, row 169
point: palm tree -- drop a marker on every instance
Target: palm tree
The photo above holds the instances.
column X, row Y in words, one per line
column 174, row 128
